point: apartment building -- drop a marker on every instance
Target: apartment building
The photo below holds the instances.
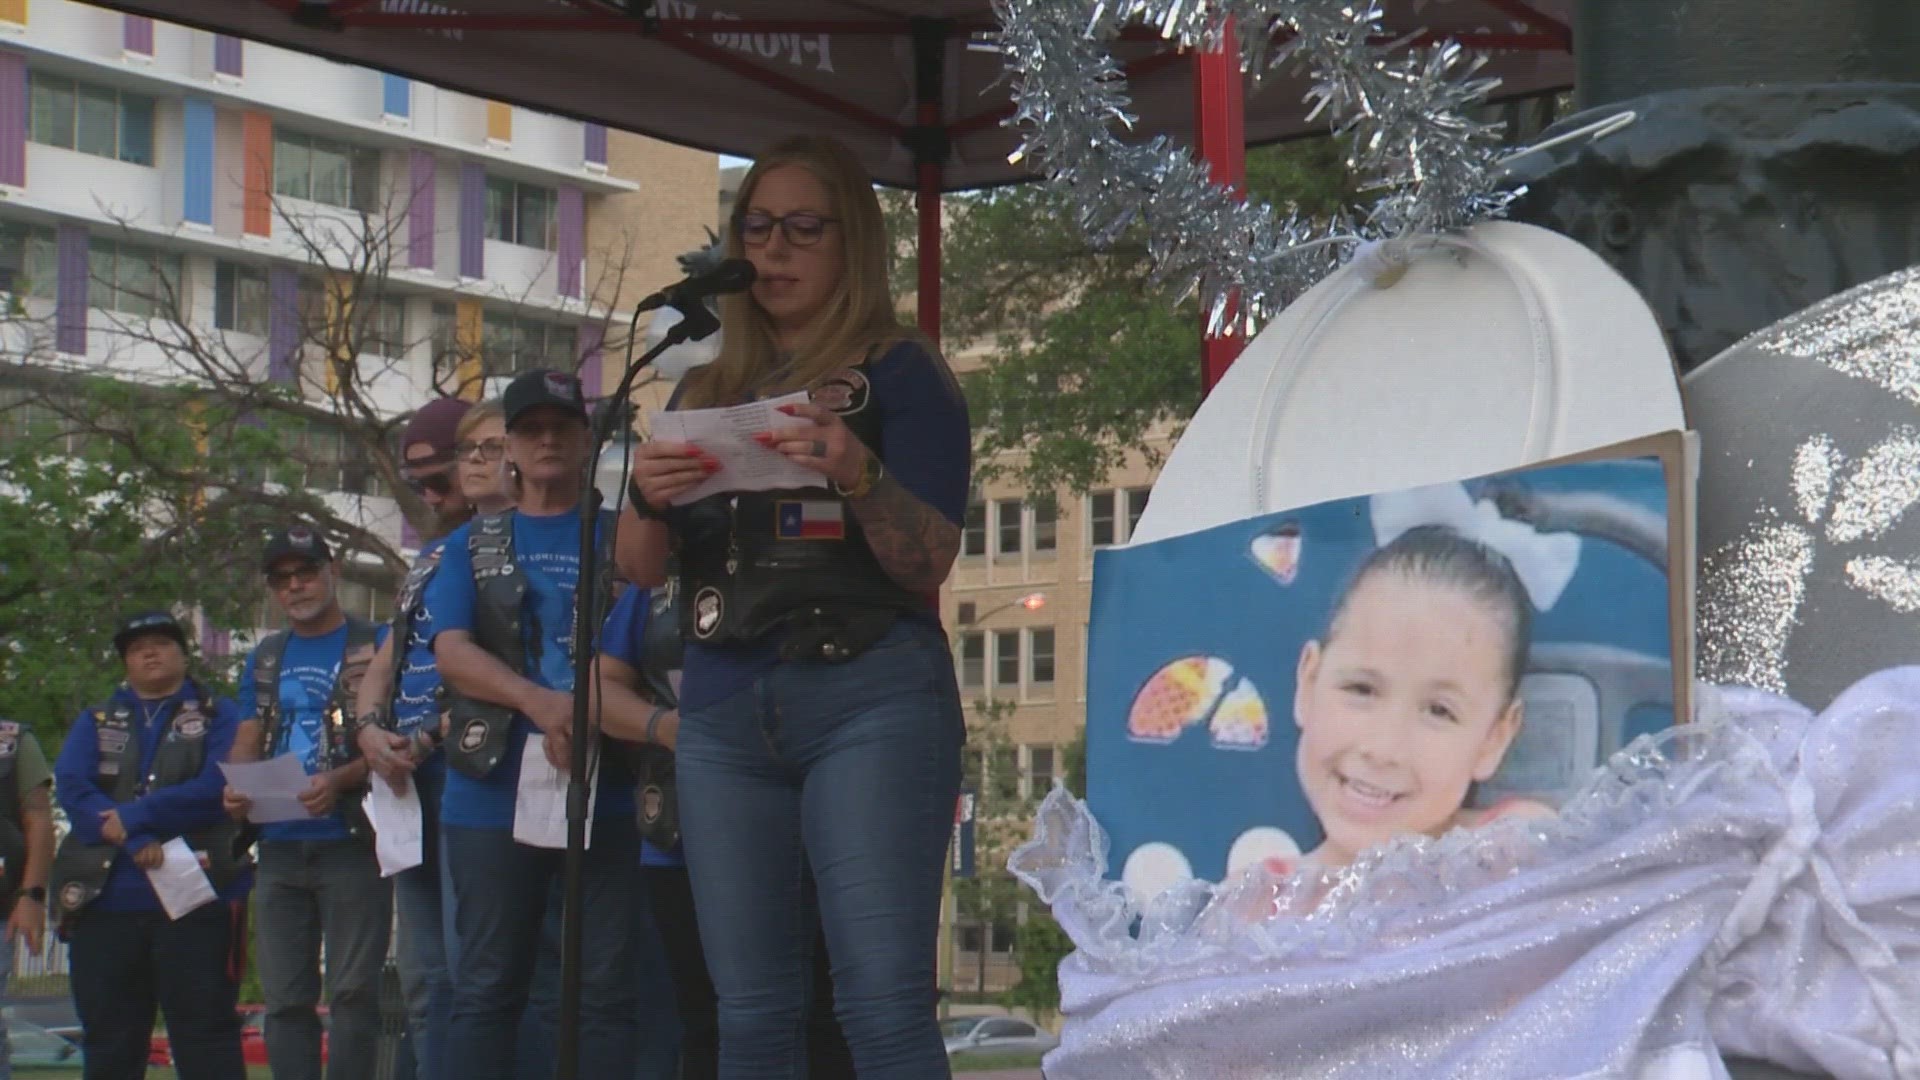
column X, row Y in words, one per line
column 139, row 157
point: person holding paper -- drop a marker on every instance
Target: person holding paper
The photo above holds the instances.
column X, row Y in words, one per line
column 501, row 609
column 139, row 771
column 820, row 721
column 319, row 882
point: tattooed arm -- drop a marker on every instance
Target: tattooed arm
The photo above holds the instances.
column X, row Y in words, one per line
column 915, row 543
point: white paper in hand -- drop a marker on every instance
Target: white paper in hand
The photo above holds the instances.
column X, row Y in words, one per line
column 179, row 881
column 540, row 805
column 399, row 829
column 727, row 436
column 273, row 785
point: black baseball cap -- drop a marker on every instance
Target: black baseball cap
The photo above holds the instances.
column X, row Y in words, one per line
column 147, row 622
column 543, row 389
column 295, row 541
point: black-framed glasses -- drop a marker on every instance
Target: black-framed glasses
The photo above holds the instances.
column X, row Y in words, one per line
column 488, row 449
column 802, row 229
column 304, row 574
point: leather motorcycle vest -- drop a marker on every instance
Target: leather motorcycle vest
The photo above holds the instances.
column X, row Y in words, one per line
column 337, row 747
column 13, row 837
column 662, row 651
column 753, row 563
column 479, row 730
column 80, row 871
column 406, row 609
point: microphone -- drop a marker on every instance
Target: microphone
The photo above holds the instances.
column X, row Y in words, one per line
column 731, row 276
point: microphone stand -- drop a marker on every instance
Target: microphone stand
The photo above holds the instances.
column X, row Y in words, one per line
column 696, row 323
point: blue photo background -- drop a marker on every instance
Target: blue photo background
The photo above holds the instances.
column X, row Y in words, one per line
column 1206, row 595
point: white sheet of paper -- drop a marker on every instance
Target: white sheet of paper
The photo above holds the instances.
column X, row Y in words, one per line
column 540, row 805
column 727, row 436
column 274, row 786
column 179, row 881
column 399, row 829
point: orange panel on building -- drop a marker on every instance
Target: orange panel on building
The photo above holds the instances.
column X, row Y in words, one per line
column 257, row 172
column 499, row 122
column 468, row 327
column 13, row 11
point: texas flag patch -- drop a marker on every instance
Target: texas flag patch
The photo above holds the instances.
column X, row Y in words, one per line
column 810, row 519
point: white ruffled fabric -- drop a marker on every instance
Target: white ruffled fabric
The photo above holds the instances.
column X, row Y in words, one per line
column 1746, row 885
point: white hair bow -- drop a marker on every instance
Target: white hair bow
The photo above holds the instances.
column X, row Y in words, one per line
column 1545, row 562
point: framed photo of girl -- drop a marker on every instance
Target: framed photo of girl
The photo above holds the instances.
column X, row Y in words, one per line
column 1299, row 687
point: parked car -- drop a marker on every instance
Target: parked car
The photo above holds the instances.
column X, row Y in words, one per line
column 253, row 1038
column 992, row 1035
column 34, row 1047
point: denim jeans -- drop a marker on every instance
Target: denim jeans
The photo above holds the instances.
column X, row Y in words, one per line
column 500, row 897
column 123, row 963
column 313, row 894
column 851, row 768
column 424, row 980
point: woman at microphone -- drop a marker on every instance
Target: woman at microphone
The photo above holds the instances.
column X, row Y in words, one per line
column 820, row 722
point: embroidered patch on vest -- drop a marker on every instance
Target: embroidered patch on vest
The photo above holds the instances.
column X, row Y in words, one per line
column 652, row 801
column 473, row 736
column 707, row 608
column 74, row 896
column 809, row 519
column 190, row 727
column 844, row 392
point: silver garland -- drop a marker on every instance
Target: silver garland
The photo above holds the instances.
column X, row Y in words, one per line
column 1405, row 110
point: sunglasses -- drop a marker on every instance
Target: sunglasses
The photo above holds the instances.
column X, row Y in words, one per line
column 438, row 483
column 304, row 575
column 487, row 449
column 800, row 229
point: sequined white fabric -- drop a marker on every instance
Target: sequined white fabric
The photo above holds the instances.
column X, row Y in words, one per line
column 1748, row 884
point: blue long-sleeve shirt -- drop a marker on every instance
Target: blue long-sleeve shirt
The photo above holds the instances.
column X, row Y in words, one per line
column 160, row 814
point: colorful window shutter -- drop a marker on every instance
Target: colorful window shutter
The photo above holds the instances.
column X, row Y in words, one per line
column 596, row 149
column 71, row 297
column 473, row 220
column 228, row 56
column 197, row 168
column 396, row 95
column 136, row 35
column 13, row 119
column 572, row 228
column 592, row 363
column 420, row 210
column 499, row 122
column 339, row 329
column 469, row 325
column 13, row 11
column 284, row 332
column 256, row 142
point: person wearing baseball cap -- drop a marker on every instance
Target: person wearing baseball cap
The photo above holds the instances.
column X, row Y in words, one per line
column 319, row 881
column 135, row 774
column 501, row 612
column 428, row 458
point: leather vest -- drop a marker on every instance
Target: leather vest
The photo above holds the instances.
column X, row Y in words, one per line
column 757, row 562
column 337, row 747
column 406, row 605
column 479, row 730
column 80, row 871
column 656, row 792
column 13, row 837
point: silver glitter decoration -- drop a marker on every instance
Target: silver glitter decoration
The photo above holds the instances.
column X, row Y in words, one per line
column 1407, row 112
column 1869, row 336
column 1894, row 582
column 1814, row 465
column 1879, row 491
column 1749, row 602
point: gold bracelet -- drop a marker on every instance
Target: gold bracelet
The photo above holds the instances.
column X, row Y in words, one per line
column 870, row 472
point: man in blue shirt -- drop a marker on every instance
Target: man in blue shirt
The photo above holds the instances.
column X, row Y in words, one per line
column 139, row 771
column 319, row 881
column 501, row 608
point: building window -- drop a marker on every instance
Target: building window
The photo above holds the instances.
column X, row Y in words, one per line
column 1136, row 505
column 1100, row 517
column 37, row 272
column 322, row 457
column 240, row 298
column 1046, row 525
column 1003, row 774
column 92, row 119
column 1007, row 533
column 1040, row 657
column 386, row 331
column 365, row 601
column 1039, row 770
column 133, row 280
column 512, row 345
column 1006, row 658
column 973, row 661
column 522, row 214
column 325, row 171
column 973, row 534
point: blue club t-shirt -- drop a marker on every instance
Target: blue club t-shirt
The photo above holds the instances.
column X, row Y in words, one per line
column 546, row 550
column 621, row 639
column 308, row 670
column 416, row 697
column 926, row 444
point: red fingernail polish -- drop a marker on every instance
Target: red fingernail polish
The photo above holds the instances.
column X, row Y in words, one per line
column 788, row 409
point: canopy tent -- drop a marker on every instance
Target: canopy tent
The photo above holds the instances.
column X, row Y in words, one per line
column 914, row 86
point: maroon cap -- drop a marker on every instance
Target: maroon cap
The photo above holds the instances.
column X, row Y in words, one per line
column 435, row 425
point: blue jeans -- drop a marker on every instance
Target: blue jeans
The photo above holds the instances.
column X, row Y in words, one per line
column 425, row 982
column 310, row 893
column 852, row 768
column 500, row 897
column 124, row 963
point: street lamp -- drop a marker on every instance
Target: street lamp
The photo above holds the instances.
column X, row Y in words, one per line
column 1033, row 601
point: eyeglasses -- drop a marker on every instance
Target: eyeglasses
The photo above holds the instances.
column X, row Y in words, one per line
column 278, row 580
column 439, row 483
column 800, row 229
column 488, row 449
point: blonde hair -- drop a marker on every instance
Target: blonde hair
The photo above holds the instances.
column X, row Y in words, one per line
column 858, row 316
column 490, row 409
